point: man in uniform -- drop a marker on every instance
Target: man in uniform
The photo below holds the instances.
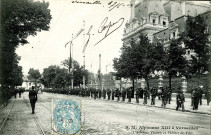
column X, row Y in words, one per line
column 108, row 94
column 113, row 94
column 123, row 94
column 33, row 98
column 129, row 94
column 137, row 95
column 195, row 95
column 153, row 95
column 145, row 95
column 118, row 94
column 104, row 94
column 180, row 99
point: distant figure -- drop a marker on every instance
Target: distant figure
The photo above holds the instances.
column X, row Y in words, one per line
column 180, row 99
column 33, row 98
column 19, row 93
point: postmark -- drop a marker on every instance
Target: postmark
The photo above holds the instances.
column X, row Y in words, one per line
column 66, row 117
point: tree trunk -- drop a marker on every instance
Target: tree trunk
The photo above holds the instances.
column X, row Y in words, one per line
column 199, row 77
column 170, row 81
column 133, row 86
column 120, row 83
column 148, row 91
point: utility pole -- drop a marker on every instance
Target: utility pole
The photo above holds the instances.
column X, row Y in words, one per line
column 100, row 78
column 71, row 68
column 84, row 57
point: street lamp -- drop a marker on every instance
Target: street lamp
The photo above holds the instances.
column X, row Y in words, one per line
column 160, row 83
column 142, row 83
column 184, row 84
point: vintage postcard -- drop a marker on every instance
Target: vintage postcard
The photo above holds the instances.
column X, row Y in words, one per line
column 105, row 67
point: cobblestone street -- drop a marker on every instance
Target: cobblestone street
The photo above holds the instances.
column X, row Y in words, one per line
column 102, row 117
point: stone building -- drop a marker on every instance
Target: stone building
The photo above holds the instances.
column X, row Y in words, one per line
column 163, row 20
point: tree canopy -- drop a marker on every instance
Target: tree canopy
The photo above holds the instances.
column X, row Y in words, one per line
column 19, row 19
column 196, row 39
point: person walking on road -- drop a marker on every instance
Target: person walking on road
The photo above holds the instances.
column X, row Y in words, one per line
column 19, row 92
column 33, row 98
column 137, row 95
column 145, row 95
column 180, row 99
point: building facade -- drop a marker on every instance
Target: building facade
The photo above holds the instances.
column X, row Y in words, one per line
column 162, row 21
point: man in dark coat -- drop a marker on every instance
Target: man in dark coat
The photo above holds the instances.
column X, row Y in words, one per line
column 153, row 96
column 129, row 94
column 180, row 99
column 123, row 94
column 33, row 98
column 137, row 94
column 112, row 94
column 108, row 94
column 145, row 95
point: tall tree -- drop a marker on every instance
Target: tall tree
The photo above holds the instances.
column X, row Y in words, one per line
column 34, row 75
column 19, row 19
column 174, row 60
column 78, row 72
column 136, row 59
column 196, row 39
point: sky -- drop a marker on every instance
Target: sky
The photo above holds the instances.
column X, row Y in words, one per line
column 48, row 47
column 68, row 17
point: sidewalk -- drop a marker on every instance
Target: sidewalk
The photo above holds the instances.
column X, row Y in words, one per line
column 202, row 109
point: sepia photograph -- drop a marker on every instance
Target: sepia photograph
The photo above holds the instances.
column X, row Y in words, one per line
column 105, row 67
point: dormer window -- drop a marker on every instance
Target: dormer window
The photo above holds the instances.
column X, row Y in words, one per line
column 174, row 34
column 164, row 24
column 153, row 21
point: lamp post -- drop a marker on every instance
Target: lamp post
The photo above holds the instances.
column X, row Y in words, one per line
column 160, row 83
column 142, row 83
column 184, row 84
column 70, row 61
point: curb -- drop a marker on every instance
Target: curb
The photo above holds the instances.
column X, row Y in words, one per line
column 150, row 106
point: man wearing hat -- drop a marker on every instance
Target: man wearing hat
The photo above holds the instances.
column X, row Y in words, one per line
column 33, row 98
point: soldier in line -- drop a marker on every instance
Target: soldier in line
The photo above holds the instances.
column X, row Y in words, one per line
column 137, row 94
column 19, row 91
column 33, row 98
column 200, row 95
column 113, row 94
column 129, row 94
column 195, row 95
column 180, row 99
column 153, row 95
column 95, row 93
column 169, row 94
column 164, row 96
column 108, row 94
column 123, row 94
column 104, row 93
column 141, row 93
column 118, row 94
column 145, row 96
column 207, row 96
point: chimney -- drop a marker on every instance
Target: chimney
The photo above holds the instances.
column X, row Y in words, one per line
column 183, row 7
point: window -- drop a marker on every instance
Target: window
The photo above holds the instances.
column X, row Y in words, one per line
column 164, row 24
column 206, row 29
column 174, row 34
column 188, row 52
column 153, row 21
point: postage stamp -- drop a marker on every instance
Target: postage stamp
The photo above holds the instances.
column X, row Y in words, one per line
column 66, row 117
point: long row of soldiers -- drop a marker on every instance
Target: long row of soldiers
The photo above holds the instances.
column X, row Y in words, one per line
column 163, row 93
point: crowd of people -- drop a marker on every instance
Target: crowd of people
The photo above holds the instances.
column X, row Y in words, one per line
column 162, row 93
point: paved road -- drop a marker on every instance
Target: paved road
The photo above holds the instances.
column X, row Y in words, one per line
column 100, row 117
